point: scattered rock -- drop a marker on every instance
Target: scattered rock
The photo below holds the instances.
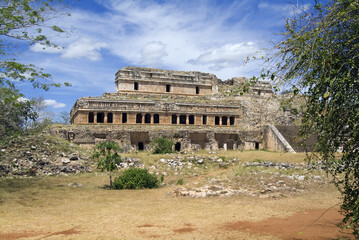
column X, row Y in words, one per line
column 74, row 185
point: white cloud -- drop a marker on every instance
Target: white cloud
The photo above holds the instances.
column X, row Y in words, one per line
column 53, row 103
column 288, row 9
column 41, row 48
column 229, row 55
column 153, row 52
column 84, row 48
column 23, row 99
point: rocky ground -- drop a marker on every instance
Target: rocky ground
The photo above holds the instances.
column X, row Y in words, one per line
column 190, row 174
column 36, row 155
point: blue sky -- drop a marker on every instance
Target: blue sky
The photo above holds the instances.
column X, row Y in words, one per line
column 106, row 35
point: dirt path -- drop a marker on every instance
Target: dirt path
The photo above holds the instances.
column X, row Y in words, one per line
column 298, row 226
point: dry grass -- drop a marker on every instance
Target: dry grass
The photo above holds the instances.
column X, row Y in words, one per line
column 36, row 208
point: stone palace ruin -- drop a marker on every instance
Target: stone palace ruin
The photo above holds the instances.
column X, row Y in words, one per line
column 196, row 110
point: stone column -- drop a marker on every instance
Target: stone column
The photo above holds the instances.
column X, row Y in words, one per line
column 95, row 117
column 152, row 118
column 187, row 120
column 105, row 117
column 143, row 118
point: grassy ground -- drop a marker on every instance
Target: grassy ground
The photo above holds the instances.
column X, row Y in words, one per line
column 47, row 208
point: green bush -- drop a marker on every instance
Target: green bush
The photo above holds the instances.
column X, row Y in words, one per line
column 135, row 178
column 162, row 146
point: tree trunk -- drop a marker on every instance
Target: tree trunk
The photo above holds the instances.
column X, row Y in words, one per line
column 110, row 181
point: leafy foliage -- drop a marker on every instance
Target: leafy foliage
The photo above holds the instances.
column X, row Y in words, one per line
column 21, row 24
column 15, row 113
column 319, row 57
column 162, row 146
column 136, row 178
column 107, row 156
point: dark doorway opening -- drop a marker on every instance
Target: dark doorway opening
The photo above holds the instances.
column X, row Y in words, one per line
column 91, row 118
column 191, row 119
column 168, row 88
column 183, row 119
column 148, row 118
column 141, row 146
column 109, row 118
column 197, row 90
column 124, row 117
column 224, row 120
column 231, row 120
column 178, row 146
column 216, row 120
column 100, row 117
column 174, row 119
column 156, row 118
column 256, row 146
column 204, row 120
column 138, row 118
column 135, row 85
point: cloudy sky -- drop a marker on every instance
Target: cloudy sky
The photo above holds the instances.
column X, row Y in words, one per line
column 105, row 35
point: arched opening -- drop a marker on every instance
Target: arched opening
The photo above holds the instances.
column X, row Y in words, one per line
column 100, row 117
column 138, row 118
column 178, row 146
column 140, row 146
column 183, row 119
column 148, row 118
column 156, row 118
column 109, row 118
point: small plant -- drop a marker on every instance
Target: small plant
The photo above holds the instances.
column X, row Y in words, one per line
column 179, row 181
column 162, row 146
column 223, row 158
column 108, row 157
column 162, row 178
column 135, row 178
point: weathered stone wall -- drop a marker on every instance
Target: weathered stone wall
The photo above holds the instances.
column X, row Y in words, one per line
column 137, row 137
column 150, row 80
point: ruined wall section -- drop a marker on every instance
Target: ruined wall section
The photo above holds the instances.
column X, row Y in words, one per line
column 151, row 80
column 139, row 138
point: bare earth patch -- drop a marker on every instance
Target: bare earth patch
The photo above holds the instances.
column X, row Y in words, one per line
column 300, row 225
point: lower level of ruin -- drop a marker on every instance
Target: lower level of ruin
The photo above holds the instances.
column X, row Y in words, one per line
column 185, row 138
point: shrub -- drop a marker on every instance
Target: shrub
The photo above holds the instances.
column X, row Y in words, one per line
column 135, row 178
column 162, row 146
column 179, row 182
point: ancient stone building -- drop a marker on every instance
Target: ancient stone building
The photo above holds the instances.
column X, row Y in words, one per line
column 197, row 110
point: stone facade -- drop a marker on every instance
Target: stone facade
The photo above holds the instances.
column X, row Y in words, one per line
column 208, row 112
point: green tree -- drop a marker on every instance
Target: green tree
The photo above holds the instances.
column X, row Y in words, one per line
column 107, row 156
column 15, row 112
column 23, row 23
column 319, row 57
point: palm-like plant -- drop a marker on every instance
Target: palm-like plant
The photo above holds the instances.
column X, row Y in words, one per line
column 107, row 156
